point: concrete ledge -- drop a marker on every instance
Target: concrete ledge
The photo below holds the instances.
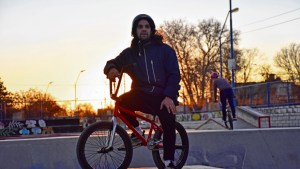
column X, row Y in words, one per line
column 247, row 149
column 253, row 117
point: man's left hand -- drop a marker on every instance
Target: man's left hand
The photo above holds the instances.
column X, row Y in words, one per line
column 169, row 104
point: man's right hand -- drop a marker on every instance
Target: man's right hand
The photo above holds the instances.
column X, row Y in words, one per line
column 112, row 74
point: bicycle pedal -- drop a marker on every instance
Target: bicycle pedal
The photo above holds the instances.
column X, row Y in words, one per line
column 152, row 144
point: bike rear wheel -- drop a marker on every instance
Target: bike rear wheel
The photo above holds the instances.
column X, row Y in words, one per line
column 230, row 120
column 93, row 151
column 181, row 148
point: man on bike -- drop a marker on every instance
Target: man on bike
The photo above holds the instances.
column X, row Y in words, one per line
column 226, row 93
column 153, row 68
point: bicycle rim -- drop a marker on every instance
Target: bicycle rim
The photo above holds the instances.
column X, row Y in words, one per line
column 181, row 148
column 91, row 148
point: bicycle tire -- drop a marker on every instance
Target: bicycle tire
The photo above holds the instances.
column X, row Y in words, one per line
column 92, row 141
column 181, row 148
column 230, row 120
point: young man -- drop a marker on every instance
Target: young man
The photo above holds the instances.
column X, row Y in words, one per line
column 226, row 93
column 155, row 78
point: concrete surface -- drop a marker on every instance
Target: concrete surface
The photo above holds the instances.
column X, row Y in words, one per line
column 215, row 124
column 185, row 167
column 242, row 148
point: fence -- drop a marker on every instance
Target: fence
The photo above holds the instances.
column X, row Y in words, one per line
column 268, row 94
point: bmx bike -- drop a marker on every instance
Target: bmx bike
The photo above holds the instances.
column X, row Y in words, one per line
column 229, row 117
column 105, row 144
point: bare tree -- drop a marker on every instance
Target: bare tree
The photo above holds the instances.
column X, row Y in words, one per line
column 34, row 104
column 180, row 36
column 288, row 59
column 4, row 94
column 207, row 47
column 208, row 58
column 247, row 64
column 85, row 109
column 197, row 48
column 264, row 71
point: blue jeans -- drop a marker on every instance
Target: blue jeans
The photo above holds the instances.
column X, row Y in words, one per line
column 227, row 94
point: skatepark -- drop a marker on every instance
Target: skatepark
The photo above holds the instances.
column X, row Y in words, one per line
column 245, row 147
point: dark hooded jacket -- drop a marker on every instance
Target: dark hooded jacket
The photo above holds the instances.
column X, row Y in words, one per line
column 153, row 68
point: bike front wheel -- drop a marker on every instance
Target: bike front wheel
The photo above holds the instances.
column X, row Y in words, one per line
column 181, row 148
column 93, row 151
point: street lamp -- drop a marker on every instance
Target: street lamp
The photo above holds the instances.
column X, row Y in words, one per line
column 75, row 89
column 220, row 38
column 45, row 98
column 231, row 46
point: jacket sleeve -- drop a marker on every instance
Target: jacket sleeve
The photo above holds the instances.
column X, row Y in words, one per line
column 118, row 62
column 172, row 73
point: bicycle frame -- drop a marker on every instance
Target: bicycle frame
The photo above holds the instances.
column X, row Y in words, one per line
column 153, row 125
column 117, row 114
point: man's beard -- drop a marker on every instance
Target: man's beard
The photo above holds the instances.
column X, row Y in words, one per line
column 144, row 37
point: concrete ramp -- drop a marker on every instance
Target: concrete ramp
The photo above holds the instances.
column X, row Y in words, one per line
column 247, row 149
column 240, row 149
column 211, row 124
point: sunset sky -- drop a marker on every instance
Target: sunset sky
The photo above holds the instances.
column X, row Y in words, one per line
column 44, row 41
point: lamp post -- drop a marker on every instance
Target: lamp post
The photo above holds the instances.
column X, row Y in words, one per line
column 220, row 38
column 231, row 46
column 45, row 98
column 75, row 99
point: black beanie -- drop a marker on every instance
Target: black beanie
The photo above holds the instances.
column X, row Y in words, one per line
column 137, row 19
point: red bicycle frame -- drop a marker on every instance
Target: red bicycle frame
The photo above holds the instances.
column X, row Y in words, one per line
column 117, row 114
column 153, row 125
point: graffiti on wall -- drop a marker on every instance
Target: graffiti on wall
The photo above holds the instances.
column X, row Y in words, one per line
column 198, row 116
column 24, row 128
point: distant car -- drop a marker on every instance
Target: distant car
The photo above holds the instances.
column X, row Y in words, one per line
column 144, row 124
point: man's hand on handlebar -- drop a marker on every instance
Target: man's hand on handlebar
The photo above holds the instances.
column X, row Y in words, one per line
column 112, row 74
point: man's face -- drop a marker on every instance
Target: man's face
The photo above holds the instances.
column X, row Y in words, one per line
column 143, row 30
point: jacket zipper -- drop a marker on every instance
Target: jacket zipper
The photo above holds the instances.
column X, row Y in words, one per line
column 153, row 71
column 148, row 70
column 146, row 65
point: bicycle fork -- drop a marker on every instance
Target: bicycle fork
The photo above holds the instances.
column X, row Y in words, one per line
column 110, row 138
column 111, row 135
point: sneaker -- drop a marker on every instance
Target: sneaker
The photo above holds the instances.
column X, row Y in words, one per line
column 170, row 166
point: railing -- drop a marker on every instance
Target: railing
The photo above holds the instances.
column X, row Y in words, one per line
column 268, row 94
